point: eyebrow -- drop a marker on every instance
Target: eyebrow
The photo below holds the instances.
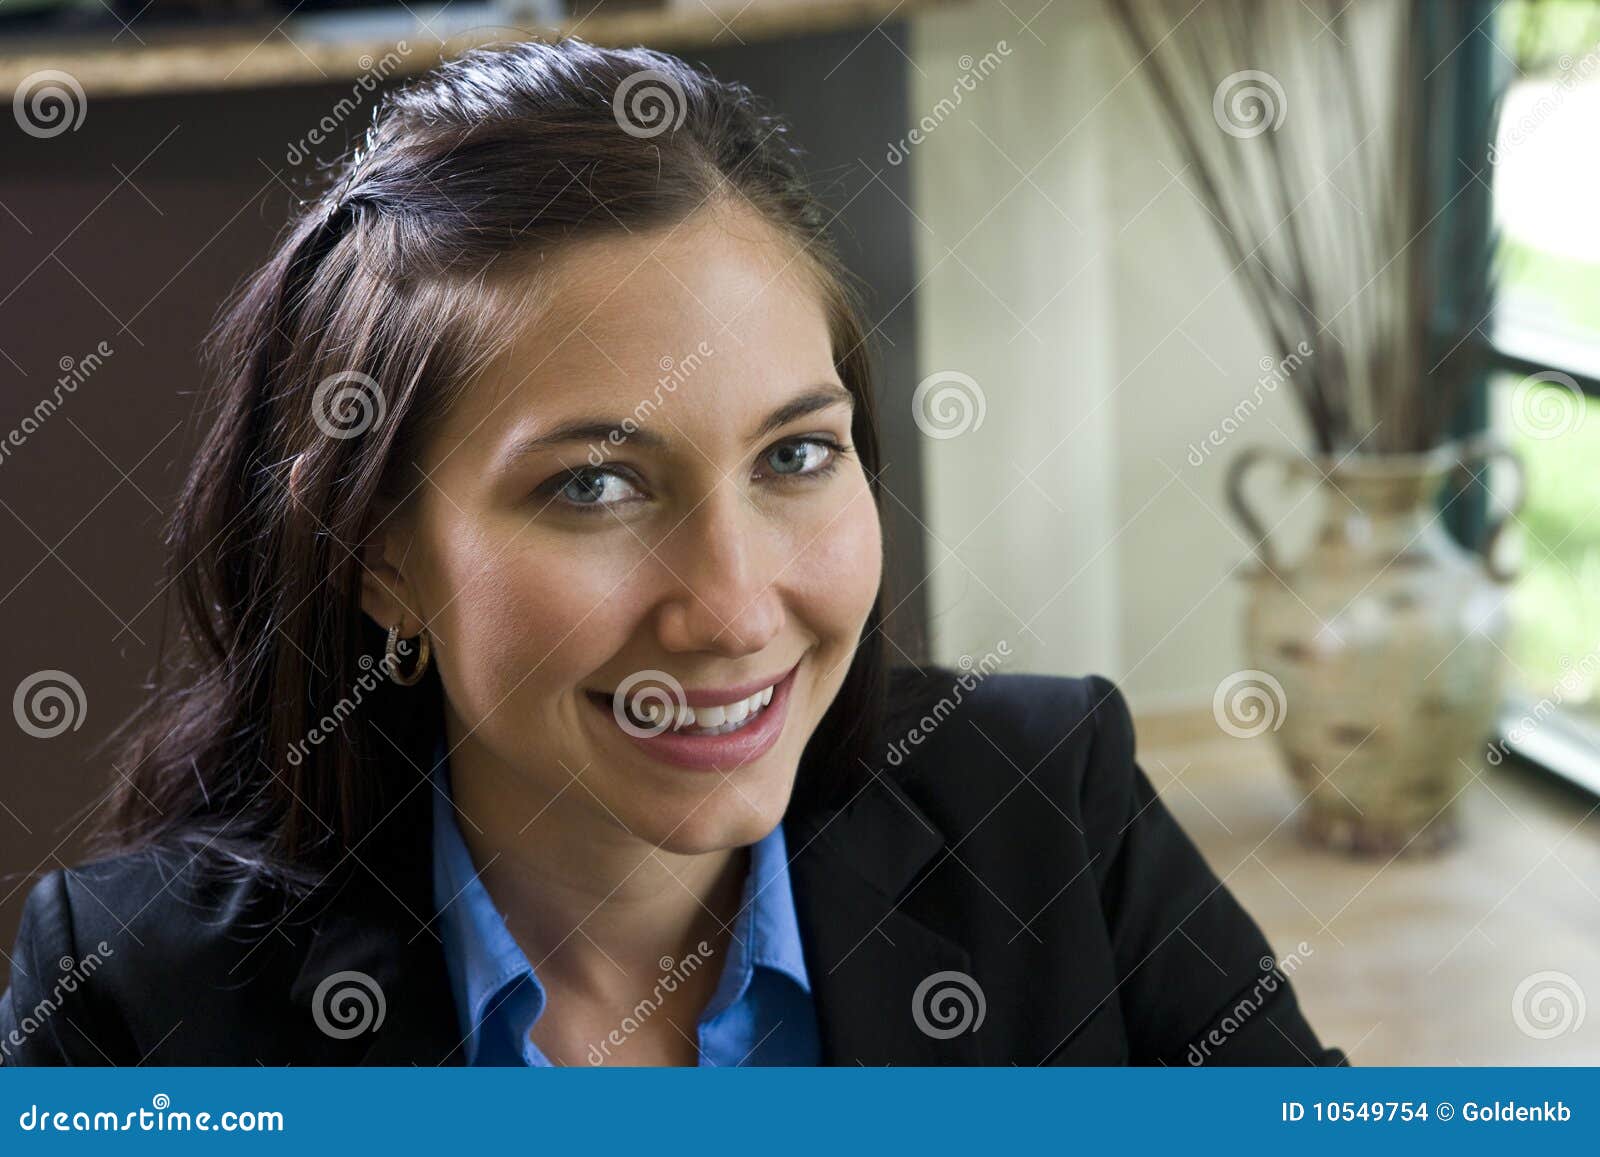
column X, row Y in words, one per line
column 595, row 430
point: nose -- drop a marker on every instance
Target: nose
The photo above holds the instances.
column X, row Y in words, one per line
column 724, row 598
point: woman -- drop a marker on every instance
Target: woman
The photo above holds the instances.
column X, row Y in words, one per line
column 531, row 704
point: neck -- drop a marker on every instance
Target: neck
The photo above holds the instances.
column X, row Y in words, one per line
column 590, row 904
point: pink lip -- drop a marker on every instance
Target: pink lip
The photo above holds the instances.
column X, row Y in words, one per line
column 715, row 696
column 721, row 753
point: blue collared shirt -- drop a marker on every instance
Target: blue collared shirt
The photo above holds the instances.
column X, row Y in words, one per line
column 761, row 1013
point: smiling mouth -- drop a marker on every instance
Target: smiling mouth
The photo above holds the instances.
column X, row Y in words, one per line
column 718, row 719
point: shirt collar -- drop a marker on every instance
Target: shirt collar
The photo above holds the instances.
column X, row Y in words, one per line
column 766, row 932
column 769, row 896
column 490, row 974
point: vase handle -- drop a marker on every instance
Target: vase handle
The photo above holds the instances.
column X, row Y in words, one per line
column 1243, row 462
column 1487, row 450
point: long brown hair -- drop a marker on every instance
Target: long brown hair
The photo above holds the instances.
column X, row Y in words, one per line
column 272, row 741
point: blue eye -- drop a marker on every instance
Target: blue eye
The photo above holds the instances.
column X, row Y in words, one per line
column 598, row 489
column 593, row 488
column 798, row 457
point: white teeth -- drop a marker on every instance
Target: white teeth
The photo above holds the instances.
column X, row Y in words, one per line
column 728, row 717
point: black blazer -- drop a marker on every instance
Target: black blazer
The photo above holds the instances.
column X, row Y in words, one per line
column 1011, row 838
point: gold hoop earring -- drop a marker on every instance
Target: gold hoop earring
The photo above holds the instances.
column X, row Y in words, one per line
column 391, row 657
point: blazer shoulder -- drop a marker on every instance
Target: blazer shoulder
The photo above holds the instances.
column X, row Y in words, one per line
column 105, row 945
column 965, row 740
column 169, row 894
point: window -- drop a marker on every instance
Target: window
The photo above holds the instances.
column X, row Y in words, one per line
column 1544, row 394
column 1546, row 173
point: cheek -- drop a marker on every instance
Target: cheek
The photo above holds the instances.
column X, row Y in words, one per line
column 524, row 621
column 840, row 562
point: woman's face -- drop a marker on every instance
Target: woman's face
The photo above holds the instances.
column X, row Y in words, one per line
column 723, row 541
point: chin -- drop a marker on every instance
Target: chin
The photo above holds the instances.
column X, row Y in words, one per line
column 727, row 818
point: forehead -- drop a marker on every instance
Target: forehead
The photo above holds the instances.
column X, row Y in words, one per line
column 719, row 304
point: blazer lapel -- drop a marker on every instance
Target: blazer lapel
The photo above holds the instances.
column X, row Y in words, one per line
column 853, row 869
column 371, row 962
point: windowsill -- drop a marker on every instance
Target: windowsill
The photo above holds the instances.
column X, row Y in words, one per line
column 1532, row 345
column 1412, row 960
column 1563, row 743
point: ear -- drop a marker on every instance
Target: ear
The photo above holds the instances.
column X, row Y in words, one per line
column 386, row 595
